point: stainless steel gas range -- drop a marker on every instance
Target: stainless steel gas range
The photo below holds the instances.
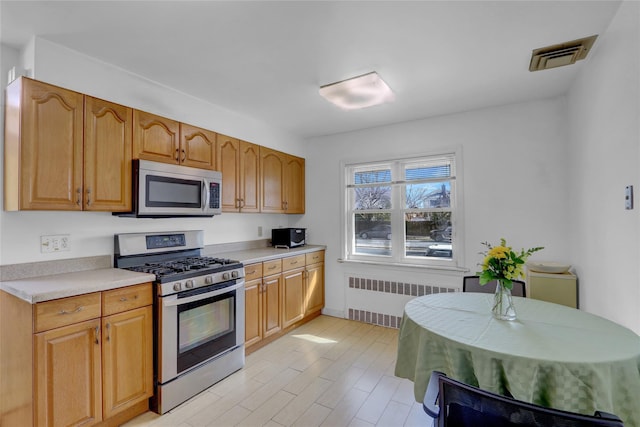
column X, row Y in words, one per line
column 198, row 311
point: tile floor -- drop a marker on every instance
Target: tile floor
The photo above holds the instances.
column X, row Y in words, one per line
column 329, row 372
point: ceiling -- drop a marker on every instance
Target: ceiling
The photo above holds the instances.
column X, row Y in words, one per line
column 267, row 59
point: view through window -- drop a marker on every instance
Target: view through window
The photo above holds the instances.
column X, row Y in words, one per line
column 402, row 211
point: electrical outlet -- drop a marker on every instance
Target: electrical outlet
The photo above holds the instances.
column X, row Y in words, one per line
column 259, row 231
column 55, row 243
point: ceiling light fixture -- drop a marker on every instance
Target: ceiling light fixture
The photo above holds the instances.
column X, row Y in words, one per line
column 358, row 92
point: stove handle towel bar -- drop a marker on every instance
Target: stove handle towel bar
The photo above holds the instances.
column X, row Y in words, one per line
column 173, row 300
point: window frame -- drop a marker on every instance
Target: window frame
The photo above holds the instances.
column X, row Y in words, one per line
column 398, row 256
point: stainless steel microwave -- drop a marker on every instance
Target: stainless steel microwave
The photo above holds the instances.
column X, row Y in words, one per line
column 166, row 190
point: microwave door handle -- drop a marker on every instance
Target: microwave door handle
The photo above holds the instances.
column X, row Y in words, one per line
column 206, row 194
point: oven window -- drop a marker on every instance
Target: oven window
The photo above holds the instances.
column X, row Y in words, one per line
column 206, row 328
column 205, row 323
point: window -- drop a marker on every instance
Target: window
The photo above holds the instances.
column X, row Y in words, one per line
column 402, row 211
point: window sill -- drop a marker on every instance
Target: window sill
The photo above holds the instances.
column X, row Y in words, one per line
column 397, row 264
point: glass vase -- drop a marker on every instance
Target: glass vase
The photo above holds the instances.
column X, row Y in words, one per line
column 503, row 307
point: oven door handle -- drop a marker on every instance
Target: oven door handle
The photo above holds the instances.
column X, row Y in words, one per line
column 173, row 300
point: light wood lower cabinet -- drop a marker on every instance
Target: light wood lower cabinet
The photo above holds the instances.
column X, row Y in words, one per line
column 272, row 305
column 68, row 369
column 280, row 295
column 90, row 358
column 314, row 289
column 253, row 304
column 127, row 359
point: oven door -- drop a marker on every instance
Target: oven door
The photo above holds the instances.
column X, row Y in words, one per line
column 197, row 326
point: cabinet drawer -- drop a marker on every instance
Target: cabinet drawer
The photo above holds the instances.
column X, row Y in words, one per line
column 127, row 298
column 315, row 257
column 272, row 267
column 292, row 262
column 252, row 271
column 66, row 311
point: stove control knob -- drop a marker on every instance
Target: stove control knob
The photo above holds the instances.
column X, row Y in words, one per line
column 225, row 276
column 208, row 280
column 188, row 284
column 177, row 286
column 234, row 274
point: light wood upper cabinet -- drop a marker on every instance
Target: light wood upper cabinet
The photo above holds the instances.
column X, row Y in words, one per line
column 108, row 137
column 164, row 140
column 43, row 147
column 272, row 164
column 239, row 162
column 295, row 184
column 65, row 151
column 155, row 138
column 197, row 147
column 283, row 182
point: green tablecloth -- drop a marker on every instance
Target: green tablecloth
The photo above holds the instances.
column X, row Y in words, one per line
column 552, row 355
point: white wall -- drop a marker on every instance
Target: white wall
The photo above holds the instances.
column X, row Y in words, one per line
column 604, row 115
column 92, row 233
column 514, row 175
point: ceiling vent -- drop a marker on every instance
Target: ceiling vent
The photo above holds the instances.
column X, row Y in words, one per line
column 561, row 54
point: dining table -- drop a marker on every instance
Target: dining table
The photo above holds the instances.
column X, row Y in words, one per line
column 550, row 355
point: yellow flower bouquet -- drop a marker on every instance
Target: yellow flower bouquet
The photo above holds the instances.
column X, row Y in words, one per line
column 503, row 264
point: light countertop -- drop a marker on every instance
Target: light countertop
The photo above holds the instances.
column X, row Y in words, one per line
column 251, row 256
column 48, row 287
column 45, row 288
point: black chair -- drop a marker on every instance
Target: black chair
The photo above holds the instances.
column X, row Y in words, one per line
column 473, row 407
column 472, row 284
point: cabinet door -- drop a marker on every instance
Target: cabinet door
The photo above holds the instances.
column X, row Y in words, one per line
column 295, row 184
column 51, row 147
column 229, row 164
column 314, row 289
column 253, row 311
column 127, row 357
column 155, row 138
column 197, row 147
column 272, row 303
column 108, row 134
column 68, row 388
column 249, row 177
column 293, row 297
column 272, row 164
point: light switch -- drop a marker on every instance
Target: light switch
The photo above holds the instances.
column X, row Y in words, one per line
column 628, row 197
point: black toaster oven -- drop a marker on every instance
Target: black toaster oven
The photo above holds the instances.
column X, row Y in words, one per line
column 288, row 237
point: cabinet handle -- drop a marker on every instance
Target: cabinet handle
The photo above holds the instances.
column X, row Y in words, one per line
column 177, row 155
column 124, row 299
column 108, row 332
column 242, row 204
column 294, row 262
column 89, row 196
column 77, row 310
column 97, row 334
column 272, row 267
column 78, row 193
column 184, row 156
